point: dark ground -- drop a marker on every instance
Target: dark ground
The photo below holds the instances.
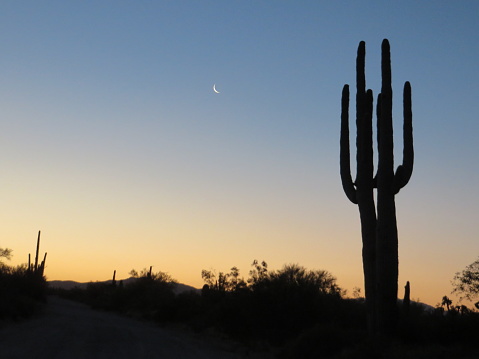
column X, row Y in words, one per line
column 72, row 330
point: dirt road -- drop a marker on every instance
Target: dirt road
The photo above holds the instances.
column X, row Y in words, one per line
column 70, row 330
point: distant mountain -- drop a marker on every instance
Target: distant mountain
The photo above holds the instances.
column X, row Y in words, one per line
column 69, row 284
column 65, row 284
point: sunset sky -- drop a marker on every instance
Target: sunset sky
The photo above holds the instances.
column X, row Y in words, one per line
column 114, row 144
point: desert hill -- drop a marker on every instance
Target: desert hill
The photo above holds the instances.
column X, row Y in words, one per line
column 69, row 284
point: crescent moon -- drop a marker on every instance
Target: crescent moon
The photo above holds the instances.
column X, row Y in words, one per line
column 214, row 89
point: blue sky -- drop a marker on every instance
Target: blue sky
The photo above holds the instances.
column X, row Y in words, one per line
column 116, row 147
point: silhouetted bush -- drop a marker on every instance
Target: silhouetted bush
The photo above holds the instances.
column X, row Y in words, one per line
column 149, row 296
column 76, row 293
column 293, row 299
column 188, row 308
column 466, row 283
column 441, row 327
column 274, row 307
column 302, row 313
column 21, row 292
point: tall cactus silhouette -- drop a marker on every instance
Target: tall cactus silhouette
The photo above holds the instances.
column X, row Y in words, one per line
column 378, row 221
column 36, row 268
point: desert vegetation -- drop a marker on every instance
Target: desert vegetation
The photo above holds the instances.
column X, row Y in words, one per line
column 269, row 308
column 22, row 288
column 293, row 312
column 290, row 312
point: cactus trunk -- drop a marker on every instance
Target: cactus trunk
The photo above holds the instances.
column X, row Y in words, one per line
column 387, row 236
column 378, row 230
column 36, row 255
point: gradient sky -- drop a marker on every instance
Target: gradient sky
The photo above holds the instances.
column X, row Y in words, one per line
column 114, row 145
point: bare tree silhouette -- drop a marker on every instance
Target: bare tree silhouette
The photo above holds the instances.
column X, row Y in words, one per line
column 466, row 282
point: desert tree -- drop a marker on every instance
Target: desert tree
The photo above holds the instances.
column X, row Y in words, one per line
column 466, row 282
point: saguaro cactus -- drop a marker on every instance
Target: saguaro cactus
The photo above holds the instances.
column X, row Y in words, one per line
column 378, row 222
column 36, row 268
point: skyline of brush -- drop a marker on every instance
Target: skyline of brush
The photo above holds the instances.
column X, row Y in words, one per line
column 114, row 144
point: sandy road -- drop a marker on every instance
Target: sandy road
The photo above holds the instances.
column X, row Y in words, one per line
column 70, row 330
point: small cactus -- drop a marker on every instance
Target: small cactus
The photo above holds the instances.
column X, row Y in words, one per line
column 406, row 303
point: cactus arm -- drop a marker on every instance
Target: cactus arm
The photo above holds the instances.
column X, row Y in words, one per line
column 367, row 141
column 361, row 112
column 378, row 124
column 345, row 166
column 360, row 74
column 385, row 127
column 364, row 113
column 404, row 171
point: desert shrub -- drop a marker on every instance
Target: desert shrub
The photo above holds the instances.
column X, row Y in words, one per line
column 187, row 308
column 99, row 295
column 466, row 282
column 21, row 291
column 274, row 306
column 293, row 299
column 323, row 340
column 149, row 296
column 446, row 328
column 76, row 293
